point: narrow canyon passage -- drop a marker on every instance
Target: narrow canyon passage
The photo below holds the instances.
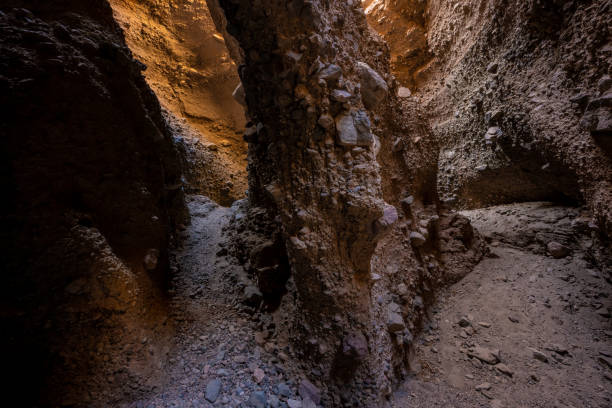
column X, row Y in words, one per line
column 520, row 330
column 306, row 203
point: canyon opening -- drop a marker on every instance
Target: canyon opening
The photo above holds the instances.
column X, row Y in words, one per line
column 306, row 203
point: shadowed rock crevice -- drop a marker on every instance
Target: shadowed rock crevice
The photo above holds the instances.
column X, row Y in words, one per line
column 94, row 201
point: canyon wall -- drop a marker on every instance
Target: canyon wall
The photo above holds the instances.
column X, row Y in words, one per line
column 359, row 150
column 517, row 94
column 347, row 171
column 190, row 68
column 92, row 194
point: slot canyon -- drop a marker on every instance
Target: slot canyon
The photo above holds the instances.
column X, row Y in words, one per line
column 306, row 203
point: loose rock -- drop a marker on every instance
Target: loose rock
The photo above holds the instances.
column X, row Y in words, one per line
column 258, row 400
column 538, row 355
column 308, row 390
column 557, row 250
column 485, row 355
column 213, row 388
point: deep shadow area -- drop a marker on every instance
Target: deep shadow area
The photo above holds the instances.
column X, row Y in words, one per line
column 94, row 191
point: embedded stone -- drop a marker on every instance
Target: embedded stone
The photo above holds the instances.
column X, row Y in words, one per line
column 395, row 321
column 604, row 84
column 417, row 239
column 252, row 296
column 504, row 369
column 493, row 116
column 339, row 95
column 354, row 129
column 355, row 346
column 308, row 390
column 389, row 217
column 326, row 121
column 493, row 133
column 150, row 259
column 403, row 92
column 556, row 250
column 330, row 73
column 484, row 354
column 347, row 134
column 274, row 192
column 492, row 67
column 363, row 127
column 538, row 355
column 297, row 243
column 373, row 86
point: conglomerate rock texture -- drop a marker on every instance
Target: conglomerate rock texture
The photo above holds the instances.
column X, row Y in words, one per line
column 348, row 173
column 92, row 194
column 358, row 154
column 517, row 94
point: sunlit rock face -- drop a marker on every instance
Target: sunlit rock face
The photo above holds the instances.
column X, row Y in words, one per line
column 194, row 75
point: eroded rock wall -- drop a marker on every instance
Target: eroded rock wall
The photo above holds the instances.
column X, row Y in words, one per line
column 193, row 74
column 517, row 94
column 92, row 195
column 348, row 173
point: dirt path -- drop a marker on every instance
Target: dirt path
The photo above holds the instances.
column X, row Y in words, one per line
column 214, row 359
column 523, row 329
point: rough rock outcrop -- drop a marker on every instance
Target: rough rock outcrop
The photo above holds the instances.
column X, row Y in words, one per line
column 330, row 190
column 92, row 193
column 517, row 94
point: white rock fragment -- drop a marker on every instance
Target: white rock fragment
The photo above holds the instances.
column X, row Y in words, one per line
column 239, row 95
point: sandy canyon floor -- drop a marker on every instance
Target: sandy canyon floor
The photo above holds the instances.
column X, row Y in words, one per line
column 524, row 329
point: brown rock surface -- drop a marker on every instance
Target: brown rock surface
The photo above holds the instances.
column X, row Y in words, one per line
column 189, row 67
column 326, row 197
column 92, row 195
column 342, row 279
column 534, row 69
